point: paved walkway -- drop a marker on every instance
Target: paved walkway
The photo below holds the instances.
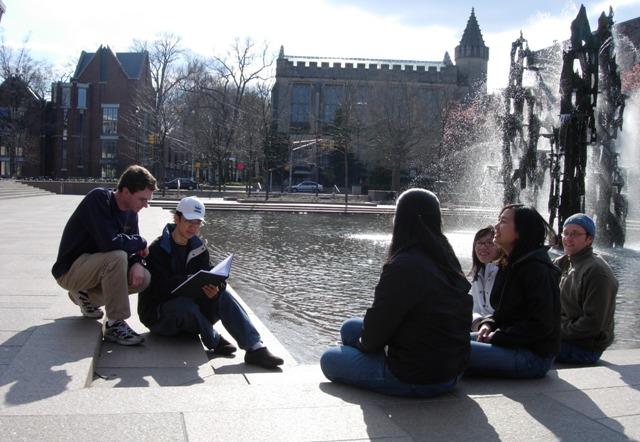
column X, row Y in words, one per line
column 58, row 382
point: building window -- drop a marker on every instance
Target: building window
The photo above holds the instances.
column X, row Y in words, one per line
column 332, row 100
column 66, row 96
column 64, row 155
column 109, row 120
column 5, row 164
column 109, row 151
column 300, row 103
column 108, row 171
column 82, row 97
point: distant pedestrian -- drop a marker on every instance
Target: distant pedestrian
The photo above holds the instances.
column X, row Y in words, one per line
column 101, row 255
column 173, row 256
column 414, row 339
column 588, row 290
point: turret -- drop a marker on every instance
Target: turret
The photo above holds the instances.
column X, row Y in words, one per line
column 472, row 55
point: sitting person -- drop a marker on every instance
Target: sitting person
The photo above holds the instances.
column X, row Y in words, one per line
column 483, row 274
column 414, row 339
column 522, row 337
column 588, row 291
column 175, row 255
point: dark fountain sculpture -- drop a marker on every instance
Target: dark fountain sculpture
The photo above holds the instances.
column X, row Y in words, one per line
column 579, row 127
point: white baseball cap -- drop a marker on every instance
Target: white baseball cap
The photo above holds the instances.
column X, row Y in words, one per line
column 191, row 208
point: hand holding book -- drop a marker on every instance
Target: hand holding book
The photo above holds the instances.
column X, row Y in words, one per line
column 192, row 287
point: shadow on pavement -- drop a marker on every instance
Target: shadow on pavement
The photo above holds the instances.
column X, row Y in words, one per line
column 443, row 418
column 56, row 357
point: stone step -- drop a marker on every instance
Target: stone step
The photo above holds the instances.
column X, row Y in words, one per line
column 11, row 189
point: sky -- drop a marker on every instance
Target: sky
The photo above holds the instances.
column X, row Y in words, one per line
column 58, row 30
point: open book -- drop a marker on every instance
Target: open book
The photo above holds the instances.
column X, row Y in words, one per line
column 192, row 287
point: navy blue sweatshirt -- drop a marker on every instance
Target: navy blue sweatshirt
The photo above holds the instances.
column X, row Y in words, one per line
column 97, row 226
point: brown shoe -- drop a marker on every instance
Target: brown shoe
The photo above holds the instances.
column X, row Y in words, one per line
column 263, row 358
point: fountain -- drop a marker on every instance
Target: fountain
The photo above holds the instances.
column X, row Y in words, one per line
column 589, row 71
column 304, row 274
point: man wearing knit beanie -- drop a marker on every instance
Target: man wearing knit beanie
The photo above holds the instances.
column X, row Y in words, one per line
column 588, row 292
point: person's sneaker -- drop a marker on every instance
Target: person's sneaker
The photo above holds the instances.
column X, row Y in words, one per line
column 263, row 358
column 120, row 333
column 224, row 348
column 88, row 308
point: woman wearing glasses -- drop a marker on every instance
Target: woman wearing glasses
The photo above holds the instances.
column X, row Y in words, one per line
column 483, row 273
column 522, row 337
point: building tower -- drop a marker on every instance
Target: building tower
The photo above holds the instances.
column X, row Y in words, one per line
column 472, row 56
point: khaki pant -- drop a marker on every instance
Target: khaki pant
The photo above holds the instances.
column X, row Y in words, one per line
column 104, row 276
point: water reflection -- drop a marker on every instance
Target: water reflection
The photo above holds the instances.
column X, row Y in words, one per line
column 303, row 274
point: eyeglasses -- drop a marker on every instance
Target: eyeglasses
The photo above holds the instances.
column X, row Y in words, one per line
column 485, row 244
column 572, row 234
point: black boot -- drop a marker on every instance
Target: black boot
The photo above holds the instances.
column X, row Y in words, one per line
column 263, row 358
column 224, row 348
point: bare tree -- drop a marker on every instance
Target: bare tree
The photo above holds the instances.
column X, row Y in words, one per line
column 223, row 92
column 18, row 63
column 169, row 69
column 255, row 120
column 397, row 126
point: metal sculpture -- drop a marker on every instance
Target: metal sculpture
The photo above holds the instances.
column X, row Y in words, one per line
column 609, row 179
column 517, row 144
column 578, row 99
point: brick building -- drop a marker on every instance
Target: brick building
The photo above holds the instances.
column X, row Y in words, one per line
column 22, row 130
column 100, row 123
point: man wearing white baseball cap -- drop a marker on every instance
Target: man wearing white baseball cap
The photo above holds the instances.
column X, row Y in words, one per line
column 173, row 257
column 588, row 291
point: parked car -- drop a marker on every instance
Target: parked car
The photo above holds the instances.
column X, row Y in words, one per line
column 185, row 183
column 307, row 186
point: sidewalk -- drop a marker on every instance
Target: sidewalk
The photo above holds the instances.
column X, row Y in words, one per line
column 169, row 390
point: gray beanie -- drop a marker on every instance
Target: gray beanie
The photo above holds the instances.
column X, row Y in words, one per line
column 584, row 221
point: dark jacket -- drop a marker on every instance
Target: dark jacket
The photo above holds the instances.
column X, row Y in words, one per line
column 526, row 299
column 164, row 274
column 588, row 291
column 97, row 226
column 422, row 317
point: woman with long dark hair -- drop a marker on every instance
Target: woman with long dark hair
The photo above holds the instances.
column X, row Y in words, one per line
column 414, row 339
column 522, row 337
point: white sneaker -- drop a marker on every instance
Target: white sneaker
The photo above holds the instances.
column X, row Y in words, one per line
column 120, row 333
column 88, row 308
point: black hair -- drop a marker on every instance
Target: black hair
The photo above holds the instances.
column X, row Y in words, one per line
column 418, row 222
column 532, row 230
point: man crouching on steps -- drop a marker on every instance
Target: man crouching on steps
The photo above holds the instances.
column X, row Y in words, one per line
column 101, row 254
column 175, row 255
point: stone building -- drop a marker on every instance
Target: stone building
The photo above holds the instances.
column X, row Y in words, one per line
column 100, row 127
column 309, row 90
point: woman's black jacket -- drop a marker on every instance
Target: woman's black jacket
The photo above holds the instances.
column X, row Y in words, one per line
column 526, row 299
column 422, row 318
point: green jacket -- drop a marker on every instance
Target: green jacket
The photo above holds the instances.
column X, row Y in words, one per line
column 588, row 291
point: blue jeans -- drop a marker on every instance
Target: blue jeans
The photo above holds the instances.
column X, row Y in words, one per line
column 573, row 354
column 186, row 315
column 348, row 365
column 518, row 363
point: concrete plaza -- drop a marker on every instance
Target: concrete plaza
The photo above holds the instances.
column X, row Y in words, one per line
column 58, row 381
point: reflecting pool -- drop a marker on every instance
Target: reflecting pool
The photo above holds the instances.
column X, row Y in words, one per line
column 303, row 274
